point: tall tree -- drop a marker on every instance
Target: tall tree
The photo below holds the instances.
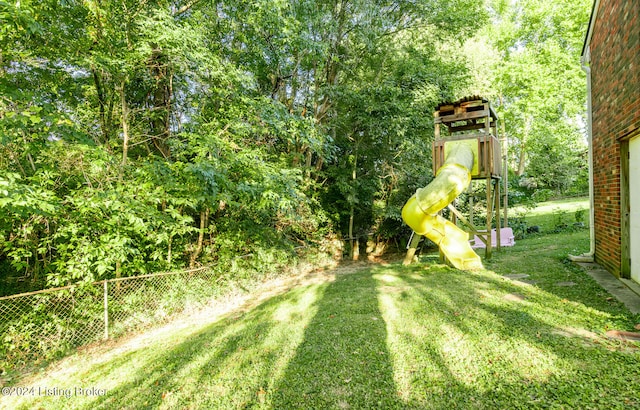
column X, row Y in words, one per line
column 140, row 135
column 539, row 87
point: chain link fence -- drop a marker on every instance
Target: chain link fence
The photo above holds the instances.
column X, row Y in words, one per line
column 37, row 327
column 44, row 325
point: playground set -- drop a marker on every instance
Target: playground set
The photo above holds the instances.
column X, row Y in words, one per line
column 466, row 148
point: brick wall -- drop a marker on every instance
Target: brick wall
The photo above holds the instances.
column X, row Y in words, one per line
column 615, row 90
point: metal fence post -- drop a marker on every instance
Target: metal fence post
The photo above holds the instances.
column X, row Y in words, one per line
column 106, row 311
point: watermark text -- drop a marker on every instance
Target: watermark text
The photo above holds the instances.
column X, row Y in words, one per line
column 42, row 391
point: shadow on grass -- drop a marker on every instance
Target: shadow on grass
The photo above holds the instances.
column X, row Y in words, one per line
column 343, row 361
column 229, row 364
column 545, row 260
column 322, row 346
column 385, row 337
column 470, row 347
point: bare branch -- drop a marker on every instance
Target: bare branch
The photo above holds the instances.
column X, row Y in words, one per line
column 185, row 8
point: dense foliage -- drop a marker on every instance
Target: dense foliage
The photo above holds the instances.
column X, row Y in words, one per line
column 141, row 136
column 540, row 91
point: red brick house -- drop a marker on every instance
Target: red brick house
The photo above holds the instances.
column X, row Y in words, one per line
column 611, row 59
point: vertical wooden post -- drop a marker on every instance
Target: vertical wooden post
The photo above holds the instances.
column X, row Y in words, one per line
column 496, row 197
column 411, row 250
column 489, row 219
column 471, row 204
column 488, row 144
column 505, row 174
column 435, row 149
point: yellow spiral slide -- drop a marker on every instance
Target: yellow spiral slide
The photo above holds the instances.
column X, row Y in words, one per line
column 421, row 210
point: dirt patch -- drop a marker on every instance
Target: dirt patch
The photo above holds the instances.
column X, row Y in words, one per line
column 575, row 332
column 623, row 335
column 516, row 276
column 514, row 297
column 566, row 284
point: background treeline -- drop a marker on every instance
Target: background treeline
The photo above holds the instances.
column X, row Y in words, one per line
column 140, row 136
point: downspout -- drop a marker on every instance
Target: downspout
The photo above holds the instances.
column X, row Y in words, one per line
column 585, row 62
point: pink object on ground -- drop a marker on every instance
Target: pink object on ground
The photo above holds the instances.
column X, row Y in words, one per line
column 506, row 239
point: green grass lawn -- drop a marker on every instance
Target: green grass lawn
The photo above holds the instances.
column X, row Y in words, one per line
column 379, row 336
column 547, row 215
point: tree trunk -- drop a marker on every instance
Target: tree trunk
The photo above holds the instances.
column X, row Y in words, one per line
column 118, row 274
column 505, row 172
column 99, row 80
column 355, row 244
column 102, row 102
column 160, row 100
column 169, row 242
column 125, row 129
column 522, row 158
column 204, row 216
